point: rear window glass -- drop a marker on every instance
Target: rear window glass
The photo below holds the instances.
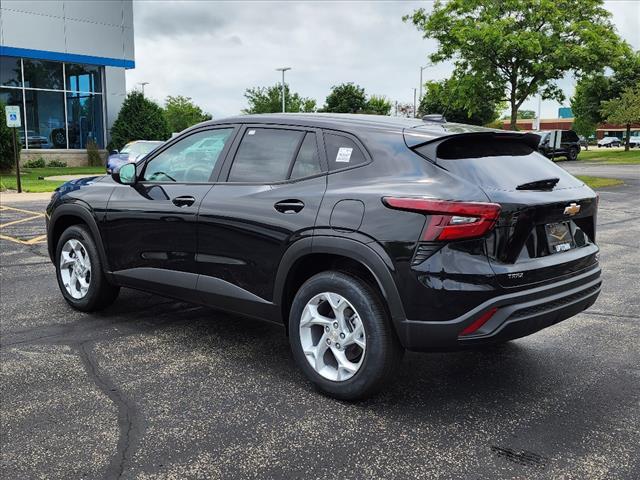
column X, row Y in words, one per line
column 569, row 136
column 482, row 147
column 342, row 152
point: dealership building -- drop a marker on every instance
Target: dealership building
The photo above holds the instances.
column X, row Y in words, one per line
column 63, row 63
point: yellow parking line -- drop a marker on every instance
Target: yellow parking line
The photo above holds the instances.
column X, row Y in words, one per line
column 13, row 222
column 32, row 241
column 4, row 207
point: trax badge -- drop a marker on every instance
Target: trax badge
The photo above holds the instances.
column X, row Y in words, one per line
column 572, row 209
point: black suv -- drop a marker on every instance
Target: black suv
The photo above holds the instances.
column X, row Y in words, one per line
column 363, row 235
column 570, row 145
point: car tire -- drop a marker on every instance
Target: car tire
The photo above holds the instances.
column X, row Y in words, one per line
column 377, row 353
column 80, row 273
column 572, row 155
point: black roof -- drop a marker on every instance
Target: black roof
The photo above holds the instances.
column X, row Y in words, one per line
column 415, row 130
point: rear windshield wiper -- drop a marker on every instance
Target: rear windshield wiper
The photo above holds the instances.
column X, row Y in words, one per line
column 546, row 184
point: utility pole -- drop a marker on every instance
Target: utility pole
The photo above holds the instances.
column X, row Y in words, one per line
column 283, row 69
column 142, row 84
column 415, row 113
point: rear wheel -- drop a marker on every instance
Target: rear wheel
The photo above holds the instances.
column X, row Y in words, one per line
column 341, row 336
column 80, row 273
column 572, row 154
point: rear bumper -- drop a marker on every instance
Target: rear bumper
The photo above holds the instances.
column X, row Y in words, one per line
column 518, row 314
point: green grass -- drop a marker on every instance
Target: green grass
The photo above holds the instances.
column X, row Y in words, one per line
column 610, row 156
column 30, row 182
column 599, row 182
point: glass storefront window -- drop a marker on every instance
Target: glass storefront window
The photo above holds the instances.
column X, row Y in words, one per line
column 84, row 113
column 10, row 72
column 83, row 78
column 45, row 119
column 61, row 103
column 43, row 74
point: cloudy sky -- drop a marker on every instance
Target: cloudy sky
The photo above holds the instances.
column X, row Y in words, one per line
column 213, row 51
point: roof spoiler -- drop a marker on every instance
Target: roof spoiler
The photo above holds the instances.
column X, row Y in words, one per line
column 414, row 138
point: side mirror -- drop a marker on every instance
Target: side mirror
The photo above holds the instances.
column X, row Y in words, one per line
column 114, row 152
column 126, row 174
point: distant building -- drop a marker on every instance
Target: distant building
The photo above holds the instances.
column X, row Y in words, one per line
column 565, row 112
column 545, row 124
column 63, row 64
column 603, row 130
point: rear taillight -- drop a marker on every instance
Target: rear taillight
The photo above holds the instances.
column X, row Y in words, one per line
column 450, row 220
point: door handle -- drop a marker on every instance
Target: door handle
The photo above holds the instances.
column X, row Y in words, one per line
column 185, row 201
column 289, row 206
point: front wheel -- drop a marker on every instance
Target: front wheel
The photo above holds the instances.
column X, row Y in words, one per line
column 341, row 336
column 79, row 271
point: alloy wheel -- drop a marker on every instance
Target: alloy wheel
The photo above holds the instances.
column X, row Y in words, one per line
column 75, row 268
column 332, row 336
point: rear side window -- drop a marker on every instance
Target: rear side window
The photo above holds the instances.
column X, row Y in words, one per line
column 342, row 152
column 307, row 162
column 264, row 155
column 569, row 136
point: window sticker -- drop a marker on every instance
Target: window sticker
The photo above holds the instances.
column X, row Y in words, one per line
column 251, row 132
column 344, row 155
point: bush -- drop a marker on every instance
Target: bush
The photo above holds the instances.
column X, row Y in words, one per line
column 57, row 164
column 93, row 154
column 35, row 163
column 139, row 119
column 6, row 143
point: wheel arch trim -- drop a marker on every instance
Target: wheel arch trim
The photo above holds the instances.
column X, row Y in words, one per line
column 84, row 214
column 379, row 267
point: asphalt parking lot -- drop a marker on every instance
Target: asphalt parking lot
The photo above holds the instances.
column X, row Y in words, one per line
column 153, row 388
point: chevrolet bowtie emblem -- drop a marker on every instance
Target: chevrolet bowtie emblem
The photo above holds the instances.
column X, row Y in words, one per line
column 572, row 209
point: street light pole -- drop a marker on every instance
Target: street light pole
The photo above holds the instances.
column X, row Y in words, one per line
column 283, row 69
column 142, row 84
column 415, row 114
column 422, row 69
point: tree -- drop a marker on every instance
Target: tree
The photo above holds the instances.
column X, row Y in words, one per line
column 269, row 100
column 520, row 48
column 459, row 100
column 7, row 160
column 346, row 98
column 378, row 105
column 182, row 113
column 139, row 119
column 624, row 110
column 592, row 89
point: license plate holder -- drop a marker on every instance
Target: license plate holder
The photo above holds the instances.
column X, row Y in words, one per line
column 559, row 237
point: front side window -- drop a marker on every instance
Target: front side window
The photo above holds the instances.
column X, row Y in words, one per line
column 342, row 152
column 264, row 155
column 190, row 160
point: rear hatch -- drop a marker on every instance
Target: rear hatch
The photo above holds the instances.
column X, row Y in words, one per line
column 546, row 228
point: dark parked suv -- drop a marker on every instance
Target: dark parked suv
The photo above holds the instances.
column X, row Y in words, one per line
column 363, row 235
column 570, row 145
